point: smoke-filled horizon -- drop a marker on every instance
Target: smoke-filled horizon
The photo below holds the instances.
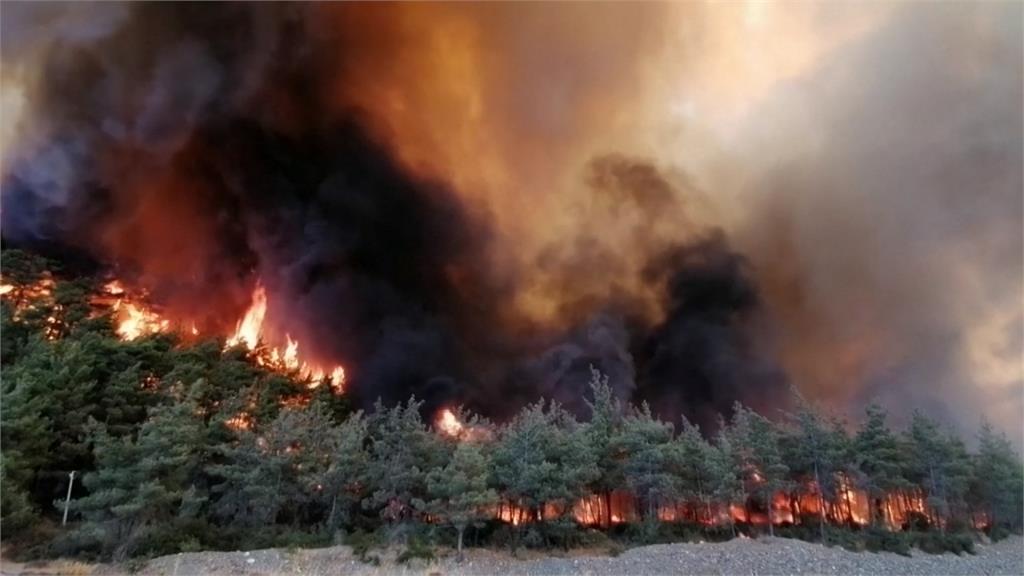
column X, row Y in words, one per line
column 476, row 202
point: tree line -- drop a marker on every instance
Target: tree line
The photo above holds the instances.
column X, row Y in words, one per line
column 182, row 446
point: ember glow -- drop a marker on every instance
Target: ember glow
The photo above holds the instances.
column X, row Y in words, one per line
column 448, row 424
column 26, row 297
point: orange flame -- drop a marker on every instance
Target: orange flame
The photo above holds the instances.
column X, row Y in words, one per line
column 449, row 424
column 133, row 318
column 138, row 321
column 249, row 332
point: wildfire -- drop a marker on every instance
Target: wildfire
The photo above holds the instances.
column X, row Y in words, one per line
column 240, row 421
column 449, row 424
column 24, row 296
column 133, row 318
column 248, row 329
column 249, row 333
column 137, row 321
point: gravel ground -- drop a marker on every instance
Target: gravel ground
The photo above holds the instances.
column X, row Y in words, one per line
column 748, row 557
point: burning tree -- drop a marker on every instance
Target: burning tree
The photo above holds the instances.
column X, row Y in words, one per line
column 264, row 454
column 876, row 453
column 542, row 457
column 998, row 477
column 649, row 459
column 603, row 429
column 695, row 467
column 937, row 464
column 815, row 451
column 755, row 442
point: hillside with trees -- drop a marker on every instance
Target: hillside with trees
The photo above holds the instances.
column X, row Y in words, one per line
column 182, row 445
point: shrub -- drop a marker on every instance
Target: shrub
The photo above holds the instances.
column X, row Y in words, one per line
column 997, row 532
column 917, row 522
column 936, row 543
column 563, row 533
column 362, row 543
column 298, row 539
column 416, row 549
column 882, row 540
column 843, row 538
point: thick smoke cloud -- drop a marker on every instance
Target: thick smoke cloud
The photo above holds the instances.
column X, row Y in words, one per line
column 478, row 202
column 206, row 163
column 886, row 198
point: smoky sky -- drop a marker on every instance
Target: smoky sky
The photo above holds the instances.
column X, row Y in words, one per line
column 889, row 230
column 476, row 205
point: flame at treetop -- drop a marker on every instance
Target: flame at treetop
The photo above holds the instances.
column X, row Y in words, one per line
column 448, row 423
column 452, row 423
column 133, row 319
column 249, row 332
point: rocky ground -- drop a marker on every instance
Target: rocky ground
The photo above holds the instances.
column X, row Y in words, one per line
column 747, row 557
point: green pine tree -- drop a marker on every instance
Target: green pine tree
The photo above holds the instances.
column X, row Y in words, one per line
column 459, row 492
column 142, row 483
column 878, row 459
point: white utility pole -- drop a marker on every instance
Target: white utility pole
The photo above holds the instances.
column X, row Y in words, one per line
column 67, row 500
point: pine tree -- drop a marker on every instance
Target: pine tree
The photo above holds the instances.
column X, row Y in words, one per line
column 283, row 468
column 17, row 514
column 755, row 441
column 602, row 432
column 142, row 483
column 998, row 479
column 459, row 492
column 937, row 463
column 878, row 459
column 402, row 450
column 726, row 469
column 647, row 445
column 694, row 466
column 542, row 456
column 346, row 477
column 814, row 451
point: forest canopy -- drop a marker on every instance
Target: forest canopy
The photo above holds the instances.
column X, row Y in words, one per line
column 181, row 444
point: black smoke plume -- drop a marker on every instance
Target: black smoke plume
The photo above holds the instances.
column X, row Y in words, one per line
column 195, row 148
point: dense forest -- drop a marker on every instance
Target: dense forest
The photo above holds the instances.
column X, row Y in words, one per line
column 184, row 444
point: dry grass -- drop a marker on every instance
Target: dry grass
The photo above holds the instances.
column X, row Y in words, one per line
column 55, row 567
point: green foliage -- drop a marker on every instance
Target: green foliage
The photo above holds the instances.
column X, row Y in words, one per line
column 459, row 494
column 401, row 452
column 937, row 463
column 937, row 543
column 648, row 462
column 186, row 446
column 416, row 549
column 698, row 467
column 602, row 432
column 142, row 484
column 881, row 540
column 997, row 486
column 281, row 468
column 877, row 456
column 755, row 447
column 542, row 456
column 18, row 514
column 363, row 543
column 816, row 453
